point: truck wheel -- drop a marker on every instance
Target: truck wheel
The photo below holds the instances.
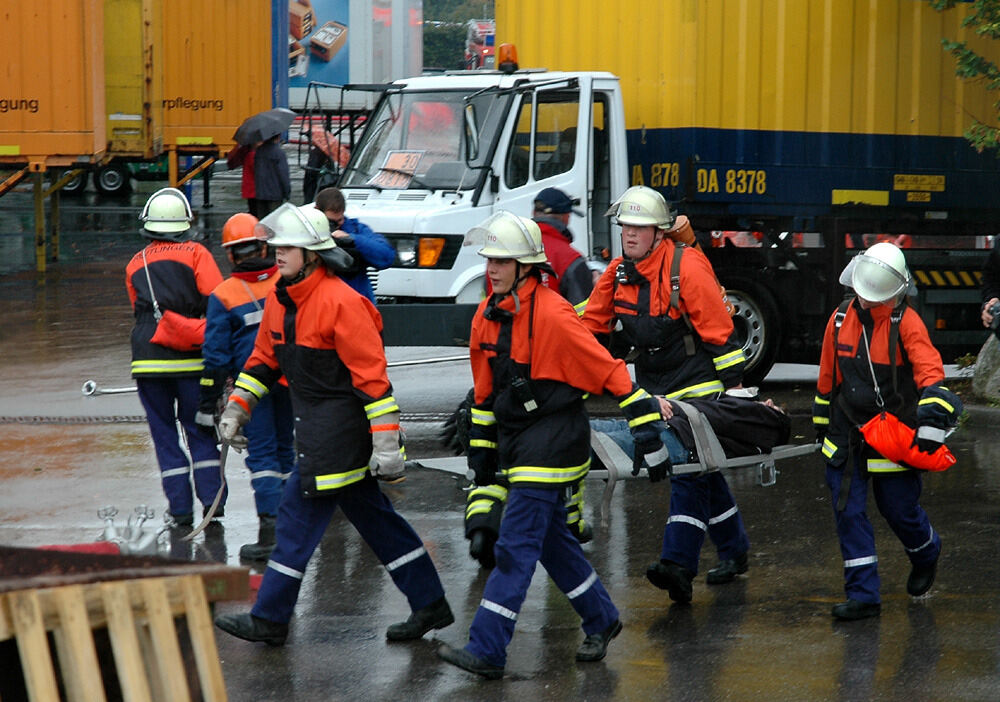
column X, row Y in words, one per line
column 113, row 179
column 77, row 185
column 757, row 326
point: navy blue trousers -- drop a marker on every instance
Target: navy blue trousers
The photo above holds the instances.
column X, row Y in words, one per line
column 897, row 495
column 271, row 447
column 534, row 531
column 301, row 524
column 167, row 401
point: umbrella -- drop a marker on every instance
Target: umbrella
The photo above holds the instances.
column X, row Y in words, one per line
column 263, row 125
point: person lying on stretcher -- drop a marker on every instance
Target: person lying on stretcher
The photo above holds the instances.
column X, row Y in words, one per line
column 744, row 427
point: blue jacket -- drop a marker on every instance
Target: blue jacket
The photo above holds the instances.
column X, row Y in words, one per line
column 368, row 250
column 231, row 324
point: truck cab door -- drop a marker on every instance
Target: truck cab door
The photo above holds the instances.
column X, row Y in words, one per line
column 549, row 143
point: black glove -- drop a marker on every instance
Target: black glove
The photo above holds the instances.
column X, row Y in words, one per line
column 483, row 462
column 206, row 424
column 481, row 543
column 928, row 439
column 654, row 455
column 455, row 432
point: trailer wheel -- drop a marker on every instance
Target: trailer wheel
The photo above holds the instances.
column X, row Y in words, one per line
column 77, row 185
column 113, row 179
column 757, row 326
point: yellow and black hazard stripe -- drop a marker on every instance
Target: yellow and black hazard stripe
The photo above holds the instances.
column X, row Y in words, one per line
column 947, row 278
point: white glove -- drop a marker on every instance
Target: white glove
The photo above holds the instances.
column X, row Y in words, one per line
column 235, row 416
column 388, row 456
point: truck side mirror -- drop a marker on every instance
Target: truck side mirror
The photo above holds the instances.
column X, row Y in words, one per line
column 471, row 134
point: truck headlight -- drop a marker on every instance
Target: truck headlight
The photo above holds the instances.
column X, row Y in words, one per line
column 406, row 251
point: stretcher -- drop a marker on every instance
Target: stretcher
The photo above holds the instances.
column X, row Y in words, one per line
column 711, row 457
column 618, row 464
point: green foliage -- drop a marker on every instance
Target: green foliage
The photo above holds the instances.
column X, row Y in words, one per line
column 457, row 10
column 984, row 20
column 966, row 361
column 444, row 30
column 444, row 46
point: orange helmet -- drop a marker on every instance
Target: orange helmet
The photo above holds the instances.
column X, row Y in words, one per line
column 238, row 229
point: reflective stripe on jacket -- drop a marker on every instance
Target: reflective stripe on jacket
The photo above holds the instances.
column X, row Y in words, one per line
column 183, row 275
column 326, row 339
column 664, row 364
column 541, row 355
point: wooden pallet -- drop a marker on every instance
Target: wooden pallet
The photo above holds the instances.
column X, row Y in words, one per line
column 139, row 617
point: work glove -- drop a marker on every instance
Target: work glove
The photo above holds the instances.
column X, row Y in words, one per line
column 388, row 459
column 206, row 423
column 642, row 411
column 481, row 543
column 455, row 432
column 235, row 416
column 928, row 439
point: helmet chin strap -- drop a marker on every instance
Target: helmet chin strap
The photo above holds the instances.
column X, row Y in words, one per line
column 308, row 266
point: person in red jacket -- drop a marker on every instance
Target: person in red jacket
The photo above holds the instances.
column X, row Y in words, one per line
column 877, row 357
column 573, row 277
column 326, row 340
column 662, row 298
column 532, row 364
column 176, row 275
column 243, row 156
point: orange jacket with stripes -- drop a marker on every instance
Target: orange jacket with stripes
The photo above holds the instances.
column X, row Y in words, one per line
column 544, row 344
column 640, row 300
column 326, row 339
column 845, row 391
column 183, row 275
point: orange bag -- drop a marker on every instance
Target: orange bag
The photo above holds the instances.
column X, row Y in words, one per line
column 888, row 435
column 175, row 331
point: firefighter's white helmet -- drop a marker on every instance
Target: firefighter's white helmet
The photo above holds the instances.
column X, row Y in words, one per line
column 505, row 235
column 879, row 274
column 304, row 227
column 167, row 214
column 640, row 206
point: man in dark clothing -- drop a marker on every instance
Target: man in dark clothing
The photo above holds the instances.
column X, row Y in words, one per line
column 573, row 280
column 272, row 183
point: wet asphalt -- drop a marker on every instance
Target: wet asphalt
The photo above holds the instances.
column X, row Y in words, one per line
column 767, row 636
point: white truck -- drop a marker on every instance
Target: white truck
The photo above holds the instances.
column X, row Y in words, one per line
column 439, row 154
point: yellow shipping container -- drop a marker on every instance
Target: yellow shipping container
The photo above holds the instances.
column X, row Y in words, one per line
column 838, row 66
column 52, row 82
column 133, row 49
column 216, row 69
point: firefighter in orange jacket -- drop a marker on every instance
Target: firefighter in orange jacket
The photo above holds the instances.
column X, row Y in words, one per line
column 173, row 273
column 878, row 357
column 326, row 340
column 664, row 300
column 532, row 364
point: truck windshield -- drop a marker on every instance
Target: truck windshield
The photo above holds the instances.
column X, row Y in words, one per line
column 414, row 141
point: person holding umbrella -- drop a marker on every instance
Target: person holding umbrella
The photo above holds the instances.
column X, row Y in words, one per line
column 261, row 154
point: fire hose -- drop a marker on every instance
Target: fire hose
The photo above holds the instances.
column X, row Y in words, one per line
column 91, row 388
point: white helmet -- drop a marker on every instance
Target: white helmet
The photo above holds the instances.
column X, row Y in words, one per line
column 642, row 207
column 505, row 235
column 879, row 274
column 304, row 227
column 167, row 215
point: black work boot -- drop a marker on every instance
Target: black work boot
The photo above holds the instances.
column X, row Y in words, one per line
column 251, row 628
column 595, row 646
column 673, row 578
column 261, row 550
column 921, row 578
column 466, row 661
column 727, row 570
column 436, row 615
column 852, row 609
